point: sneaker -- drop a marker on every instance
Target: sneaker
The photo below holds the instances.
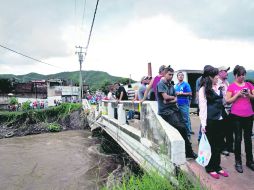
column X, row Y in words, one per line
column 225, row 152
column 250, row 165
column 214, row 175
column 239, row 168
column 223, row 173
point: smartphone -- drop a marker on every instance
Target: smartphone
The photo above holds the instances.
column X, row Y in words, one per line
column 245, row 90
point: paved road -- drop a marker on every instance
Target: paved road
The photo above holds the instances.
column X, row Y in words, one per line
column 235, row 181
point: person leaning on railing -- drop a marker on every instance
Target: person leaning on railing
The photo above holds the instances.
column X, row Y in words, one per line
column 169, row 111
column 153, row 83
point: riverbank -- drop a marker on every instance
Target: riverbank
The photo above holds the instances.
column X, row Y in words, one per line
column 67, row 116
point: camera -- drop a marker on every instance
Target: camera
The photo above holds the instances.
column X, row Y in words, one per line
column 245, row 90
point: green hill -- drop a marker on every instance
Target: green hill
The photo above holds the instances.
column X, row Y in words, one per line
column 250, row 76
column 95, row 79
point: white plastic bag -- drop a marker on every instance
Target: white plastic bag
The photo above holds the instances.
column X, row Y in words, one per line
column 204, row 151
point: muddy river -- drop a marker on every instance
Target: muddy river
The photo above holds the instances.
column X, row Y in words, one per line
column 66, row 160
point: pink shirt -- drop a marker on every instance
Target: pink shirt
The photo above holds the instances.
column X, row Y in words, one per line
column 242, row 106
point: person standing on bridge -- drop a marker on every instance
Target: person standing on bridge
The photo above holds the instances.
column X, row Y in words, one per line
column 211, row 98
column 183, row 92
column 227, row 126
column 239, row 94
column 168, row 110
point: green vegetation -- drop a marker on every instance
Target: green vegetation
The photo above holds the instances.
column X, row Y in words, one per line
column 44, row 115
column 13, row 101
column 54, row 127
column 10, row 117
column 5, row 85
column 56, row 113
column 26, row 106
column 154, row 181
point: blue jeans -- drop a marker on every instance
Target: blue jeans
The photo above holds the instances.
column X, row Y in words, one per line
column 185, row 111
column 130, row 114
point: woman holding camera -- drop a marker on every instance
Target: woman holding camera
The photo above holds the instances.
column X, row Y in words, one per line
column 239, row 94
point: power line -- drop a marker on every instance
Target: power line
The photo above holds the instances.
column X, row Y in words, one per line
column 28, row 56
column 91, row 29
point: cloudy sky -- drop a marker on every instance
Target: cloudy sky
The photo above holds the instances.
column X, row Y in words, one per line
column 186, row 34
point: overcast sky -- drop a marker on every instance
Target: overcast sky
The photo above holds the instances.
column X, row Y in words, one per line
column 127, row 34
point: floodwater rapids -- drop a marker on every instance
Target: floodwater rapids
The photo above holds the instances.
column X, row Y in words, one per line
column 65, row 160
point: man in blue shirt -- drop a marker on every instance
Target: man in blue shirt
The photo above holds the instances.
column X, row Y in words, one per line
column 183, row 92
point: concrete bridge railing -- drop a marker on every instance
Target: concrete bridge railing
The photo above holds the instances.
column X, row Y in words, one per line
column 151, row 142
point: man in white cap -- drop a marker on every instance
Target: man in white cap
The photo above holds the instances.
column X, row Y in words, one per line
column 227, row 128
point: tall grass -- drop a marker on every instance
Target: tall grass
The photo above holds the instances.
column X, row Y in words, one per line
column 154, row 181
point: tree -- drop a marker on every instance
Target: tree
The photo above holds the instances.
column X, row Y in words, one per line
column 5, row 86
column 104, row 86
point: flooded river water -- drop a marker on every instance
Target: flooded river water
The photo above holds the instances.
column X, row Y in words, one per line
column 65, row 160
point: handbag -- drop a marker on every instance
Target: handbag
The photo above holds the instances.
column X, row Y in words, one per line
column 204, row 151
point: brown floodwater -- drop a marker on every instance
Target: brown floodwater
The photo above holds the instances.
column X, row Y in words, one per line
column 53, row 161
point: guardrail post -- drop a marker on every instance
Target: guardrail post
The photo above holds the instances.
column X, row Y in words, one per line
column 121, row 114
column 104, row 108
column 110, row 111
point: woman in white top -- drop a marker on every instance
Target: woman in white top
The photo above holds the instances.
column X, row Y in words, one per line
column 211, row 115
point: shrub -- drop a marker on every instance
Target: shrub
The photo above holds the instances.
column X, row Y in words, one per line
column 13, row 101
column 26, row 106
column 54, row 127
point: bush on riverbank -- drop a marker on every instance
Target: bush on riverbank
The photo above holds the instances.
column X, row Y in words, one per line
column 67, row 115
column 54, row 127
column 48, row 115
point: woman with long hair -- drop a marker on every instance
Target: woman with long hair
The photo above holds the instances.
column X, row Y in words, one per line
column 211, row 115
column 240, row 94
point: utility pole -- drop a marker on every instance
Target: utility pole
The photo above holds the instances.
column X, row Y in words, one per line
column 80, row 55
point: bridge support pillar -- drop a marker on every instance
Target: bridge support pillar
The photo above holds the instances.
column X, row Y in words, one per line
column 110, row 111
column 121, row 114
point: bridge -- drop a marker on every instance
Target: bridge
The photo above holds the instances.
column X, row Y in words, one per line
column 156, row 145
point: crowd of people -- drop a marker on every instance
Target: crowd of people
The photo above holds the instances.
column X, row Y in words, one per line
column 225, row 110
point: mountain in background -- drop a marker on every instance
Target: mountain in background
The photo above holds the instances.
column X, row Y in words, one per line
column 249, row 76
column 95, row 79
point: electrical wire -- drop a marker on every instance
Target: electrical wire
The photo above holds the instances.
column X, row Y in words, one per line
column 29, row 56
column 91, row 29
